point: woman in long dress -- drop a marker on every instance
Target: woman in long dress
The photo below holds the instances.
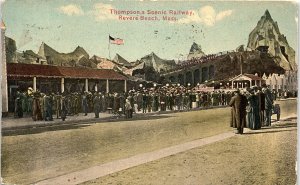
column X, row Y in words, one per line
column 253, row 118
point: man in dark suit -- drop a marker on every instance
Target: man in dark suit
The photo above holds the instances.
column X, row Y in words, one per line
column 268, row 106
column 238, row 103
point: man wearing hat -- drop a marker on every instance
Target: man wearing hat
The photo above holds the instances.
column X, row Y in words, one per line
column 268, row 105
column 85, row 103
column 96, row 102
column 238, row 103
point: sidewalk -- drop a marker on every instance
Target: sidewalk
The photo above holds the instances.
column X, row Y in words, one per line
column 11, row 123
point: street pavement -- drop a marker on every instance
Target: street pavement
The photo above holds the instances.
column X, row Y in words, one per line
column 102, row 170
column 11, row 123
column 122, row 164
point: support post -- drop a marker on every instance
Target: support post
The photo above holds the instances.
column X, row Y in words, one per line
column 250, row 83
column 107, row 86
column 62, row 85
column 86, row 85
column 34, row 84
column 232, row 84
column 125, row 85
column 259, row 83
column 96, row 87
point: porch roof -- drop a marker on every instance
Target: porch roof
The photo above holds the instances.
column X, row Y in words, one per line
column 248, row 77
column 48, row 71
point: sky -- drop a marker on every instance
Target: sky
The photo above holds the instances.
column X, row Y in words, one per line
column 215, row 25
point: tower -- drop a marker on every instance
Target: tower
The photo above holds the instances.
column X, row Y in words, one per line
column 4, row 98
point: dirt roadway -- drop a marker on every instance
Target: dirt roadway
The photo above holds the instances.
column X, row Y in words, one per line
column 40, row 154
column 263, row 158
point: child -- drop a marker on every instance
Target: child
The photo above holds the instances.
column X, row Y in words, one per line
column 277, row 111
column 128, row 109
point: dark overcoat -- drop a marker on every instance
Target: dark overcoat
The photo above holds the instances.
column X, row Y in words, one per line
column 238, row 112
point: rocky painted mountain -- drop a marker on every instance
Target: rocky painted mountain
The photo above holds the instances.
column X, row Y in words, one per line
column 195, row 51
column 150, row 66
column 266, row 36
column 120, row 60
column 250, row 62
column 158, row 64
column 104, row 63
column 78, row 58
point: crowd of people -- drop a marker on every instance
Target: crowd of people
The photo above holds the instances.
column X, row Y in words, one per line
column 46, row 106
column 252, row 108
column 43, row 106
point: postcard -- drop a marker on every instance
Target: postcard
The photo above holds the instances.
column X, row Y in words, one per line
column 149, row 92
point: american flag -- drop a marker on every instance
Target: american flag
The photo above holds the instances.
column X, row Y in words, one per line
column 116, row 41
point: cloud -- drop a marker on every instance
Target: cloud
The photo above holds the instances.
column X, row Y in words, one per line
column 102, row 12
column 206, row 15
column 71, row 9
column 223, row 14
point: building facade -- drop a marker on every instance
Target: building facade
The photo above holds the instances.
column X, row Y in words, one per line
column 58, row 79
column 282, row 82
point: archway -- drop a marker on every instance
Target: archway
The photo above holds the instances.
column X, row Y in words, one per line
column 189, row 78
column 211, row 72
column 181, row 79
column 204, row 74
column 172, row 79
column 196, row 76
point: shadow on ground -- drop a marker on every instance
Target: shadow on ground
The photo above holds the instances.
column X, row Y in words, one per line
column 76, row 125
column 38, row 130
column 276, row 128
column 139, row 117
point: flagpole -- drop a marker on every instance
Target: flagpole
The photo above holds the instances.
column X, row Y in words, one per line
column 241, row 64
column 109, row 47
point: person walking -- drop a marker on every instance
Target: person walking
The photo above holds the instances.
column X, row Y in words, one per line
column 18, row 106
column 277, row 111
column 122, row 103
column 261, row 98
column 85, row 103
column 58, row 105
column 96, row 102
column 145, row 102
column 47, row 108
column 139, row 99
column 128, row 109
column 253, row 116
column 30, row 104
column 36, row 107
column 268, row 106
column 64, row 107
